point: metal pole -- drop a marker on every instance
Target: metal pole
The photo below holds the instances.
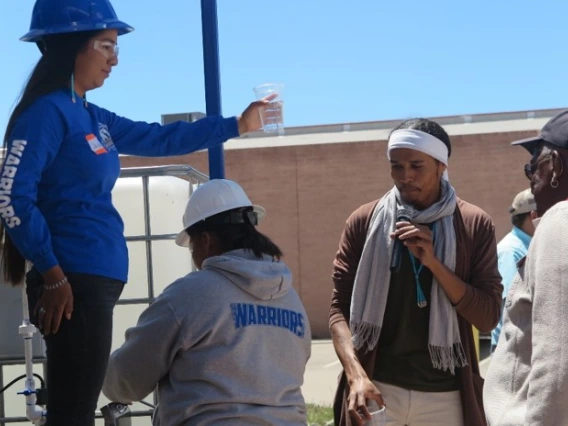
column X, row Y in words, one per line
column 2, row 400
column 212, row 79
column 148, row 233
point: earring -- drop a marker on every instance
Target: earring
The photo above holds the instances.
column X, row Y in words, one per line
column 554, row 183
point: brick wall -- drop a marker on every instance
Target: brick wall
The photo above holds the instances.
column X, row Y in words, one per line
column 310, row 190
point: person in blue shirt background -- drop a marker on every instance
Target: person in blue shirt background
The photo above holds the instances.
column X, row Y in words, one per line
column 61, row 163
column 514, row 246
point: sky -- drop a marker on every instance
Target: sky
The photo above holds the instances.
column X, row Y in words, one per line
column 340, row 61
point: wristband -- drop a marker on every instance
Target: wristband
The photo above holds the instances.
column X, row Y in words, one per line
column 56, row 285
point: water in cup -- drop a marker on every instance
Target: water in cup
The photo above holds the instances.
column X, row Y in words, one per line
column 271, row 116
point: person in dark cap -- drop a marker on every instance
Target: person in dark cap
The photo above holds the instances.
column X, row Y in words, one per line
column 514, row 246
column 527, row 381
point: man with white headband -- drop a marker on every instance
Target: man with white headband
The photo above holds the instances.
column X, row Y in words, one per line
column 414, row 271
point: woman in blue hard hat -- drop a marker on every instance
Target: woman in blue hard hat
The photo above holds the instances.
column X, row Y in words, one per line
column 55, row 194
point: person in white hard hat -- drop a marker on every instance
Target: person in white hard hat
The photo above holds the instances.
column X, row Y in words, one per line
column 227, row 344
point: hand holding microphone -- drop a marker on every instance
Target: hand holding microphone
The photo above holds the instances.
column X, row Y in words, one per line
column 402, row 215
column 418, row 239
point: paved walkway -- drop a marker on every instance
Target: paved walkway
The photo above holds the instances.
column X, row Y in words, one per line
column 322, row 371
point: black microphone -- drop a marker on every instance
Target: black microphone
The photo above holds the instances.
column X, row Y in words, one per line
column 402, row 215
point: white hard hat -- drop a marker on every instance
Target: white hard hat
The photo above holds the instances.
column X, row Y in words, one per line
column 524, row 202
column 211, row 198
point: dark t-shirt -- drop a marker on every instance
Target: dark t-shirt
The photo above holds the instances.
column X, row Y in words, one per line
column 403, row 358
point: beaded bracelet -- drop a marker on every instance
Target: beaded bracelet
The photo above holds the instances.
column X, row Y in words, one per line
column 56, row 285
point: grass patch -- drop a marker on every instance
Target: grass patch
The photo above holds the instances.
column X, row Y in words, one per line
column 319, row 414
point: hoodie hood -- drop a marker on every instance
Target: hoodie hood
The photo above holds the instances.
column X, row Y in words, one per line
column 264, row 278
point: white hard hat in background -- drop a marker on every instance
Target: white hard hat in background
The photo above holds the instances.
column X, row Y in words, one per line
column 211, row 198
column 523, row 203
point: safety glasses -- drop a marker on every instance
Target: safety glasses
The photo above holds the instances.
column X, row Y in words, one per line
column 107, row 48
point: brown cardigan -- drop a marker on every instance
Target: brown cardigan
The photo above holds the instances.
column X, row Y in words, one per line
column 476, row 264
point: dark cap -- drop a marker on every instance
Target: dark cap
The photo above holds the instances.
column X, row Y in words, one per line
column 554, row 132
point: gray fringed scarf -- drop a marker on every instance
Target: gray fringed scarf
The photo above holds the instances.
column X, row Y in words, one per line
column 373, row 279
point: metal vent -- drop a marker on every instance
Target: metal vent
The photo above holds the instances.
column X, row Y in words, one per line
column 186, row 116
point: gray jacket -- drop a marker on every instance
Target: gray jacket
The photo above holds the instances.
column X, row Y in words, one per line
column 226, row 345
column 527, row 381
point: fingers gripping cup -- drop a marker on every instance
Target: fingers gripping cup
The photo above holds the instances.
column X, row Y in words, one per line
column 378, row 418
column 271, row 116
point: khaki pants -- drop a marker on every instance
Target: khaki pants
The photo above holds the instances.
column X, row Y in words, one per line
column 413, row 408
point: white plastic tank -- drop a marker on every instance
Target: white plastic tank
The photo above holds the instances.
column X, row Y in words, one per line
column 168, row 197
column 11, row 343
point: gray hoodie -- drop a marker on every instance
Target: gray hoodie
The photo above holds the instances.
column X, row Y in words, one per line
column 226, row 345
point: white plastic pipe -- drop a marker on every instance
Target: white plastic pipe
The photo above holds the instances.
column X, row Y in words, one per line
column 34, row 413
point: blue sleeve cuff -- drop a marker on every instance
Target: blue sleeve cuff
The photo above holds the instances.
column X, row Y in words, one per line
column 46, row 262
column 231, row 125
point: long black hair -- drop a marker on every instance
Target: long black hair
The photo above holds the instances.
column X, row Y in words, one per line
column 234, row 236
column 52, row 72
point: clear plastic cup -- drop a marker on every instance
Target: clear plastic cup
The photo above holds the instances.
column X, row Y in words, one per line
column 378, row 418
column 271, row 116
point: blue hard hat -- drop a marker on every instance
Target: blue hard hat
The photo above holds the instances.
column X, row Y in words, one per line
column 68, row 16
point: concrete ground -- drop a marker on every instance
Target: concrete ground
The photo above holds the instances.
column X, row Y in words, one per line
column 323, row 369
column 320, row 381
column 322, row 372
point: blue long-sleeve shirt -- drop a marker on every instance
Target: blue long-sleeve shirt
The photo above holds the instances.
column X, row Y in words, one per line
column 60, row 168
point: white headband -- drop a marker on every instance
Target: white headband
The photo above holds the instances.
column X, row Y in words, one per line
column 419, row 141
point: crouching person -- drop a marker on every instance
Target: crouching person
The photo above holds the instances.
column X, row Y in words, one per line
column 228, row 344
